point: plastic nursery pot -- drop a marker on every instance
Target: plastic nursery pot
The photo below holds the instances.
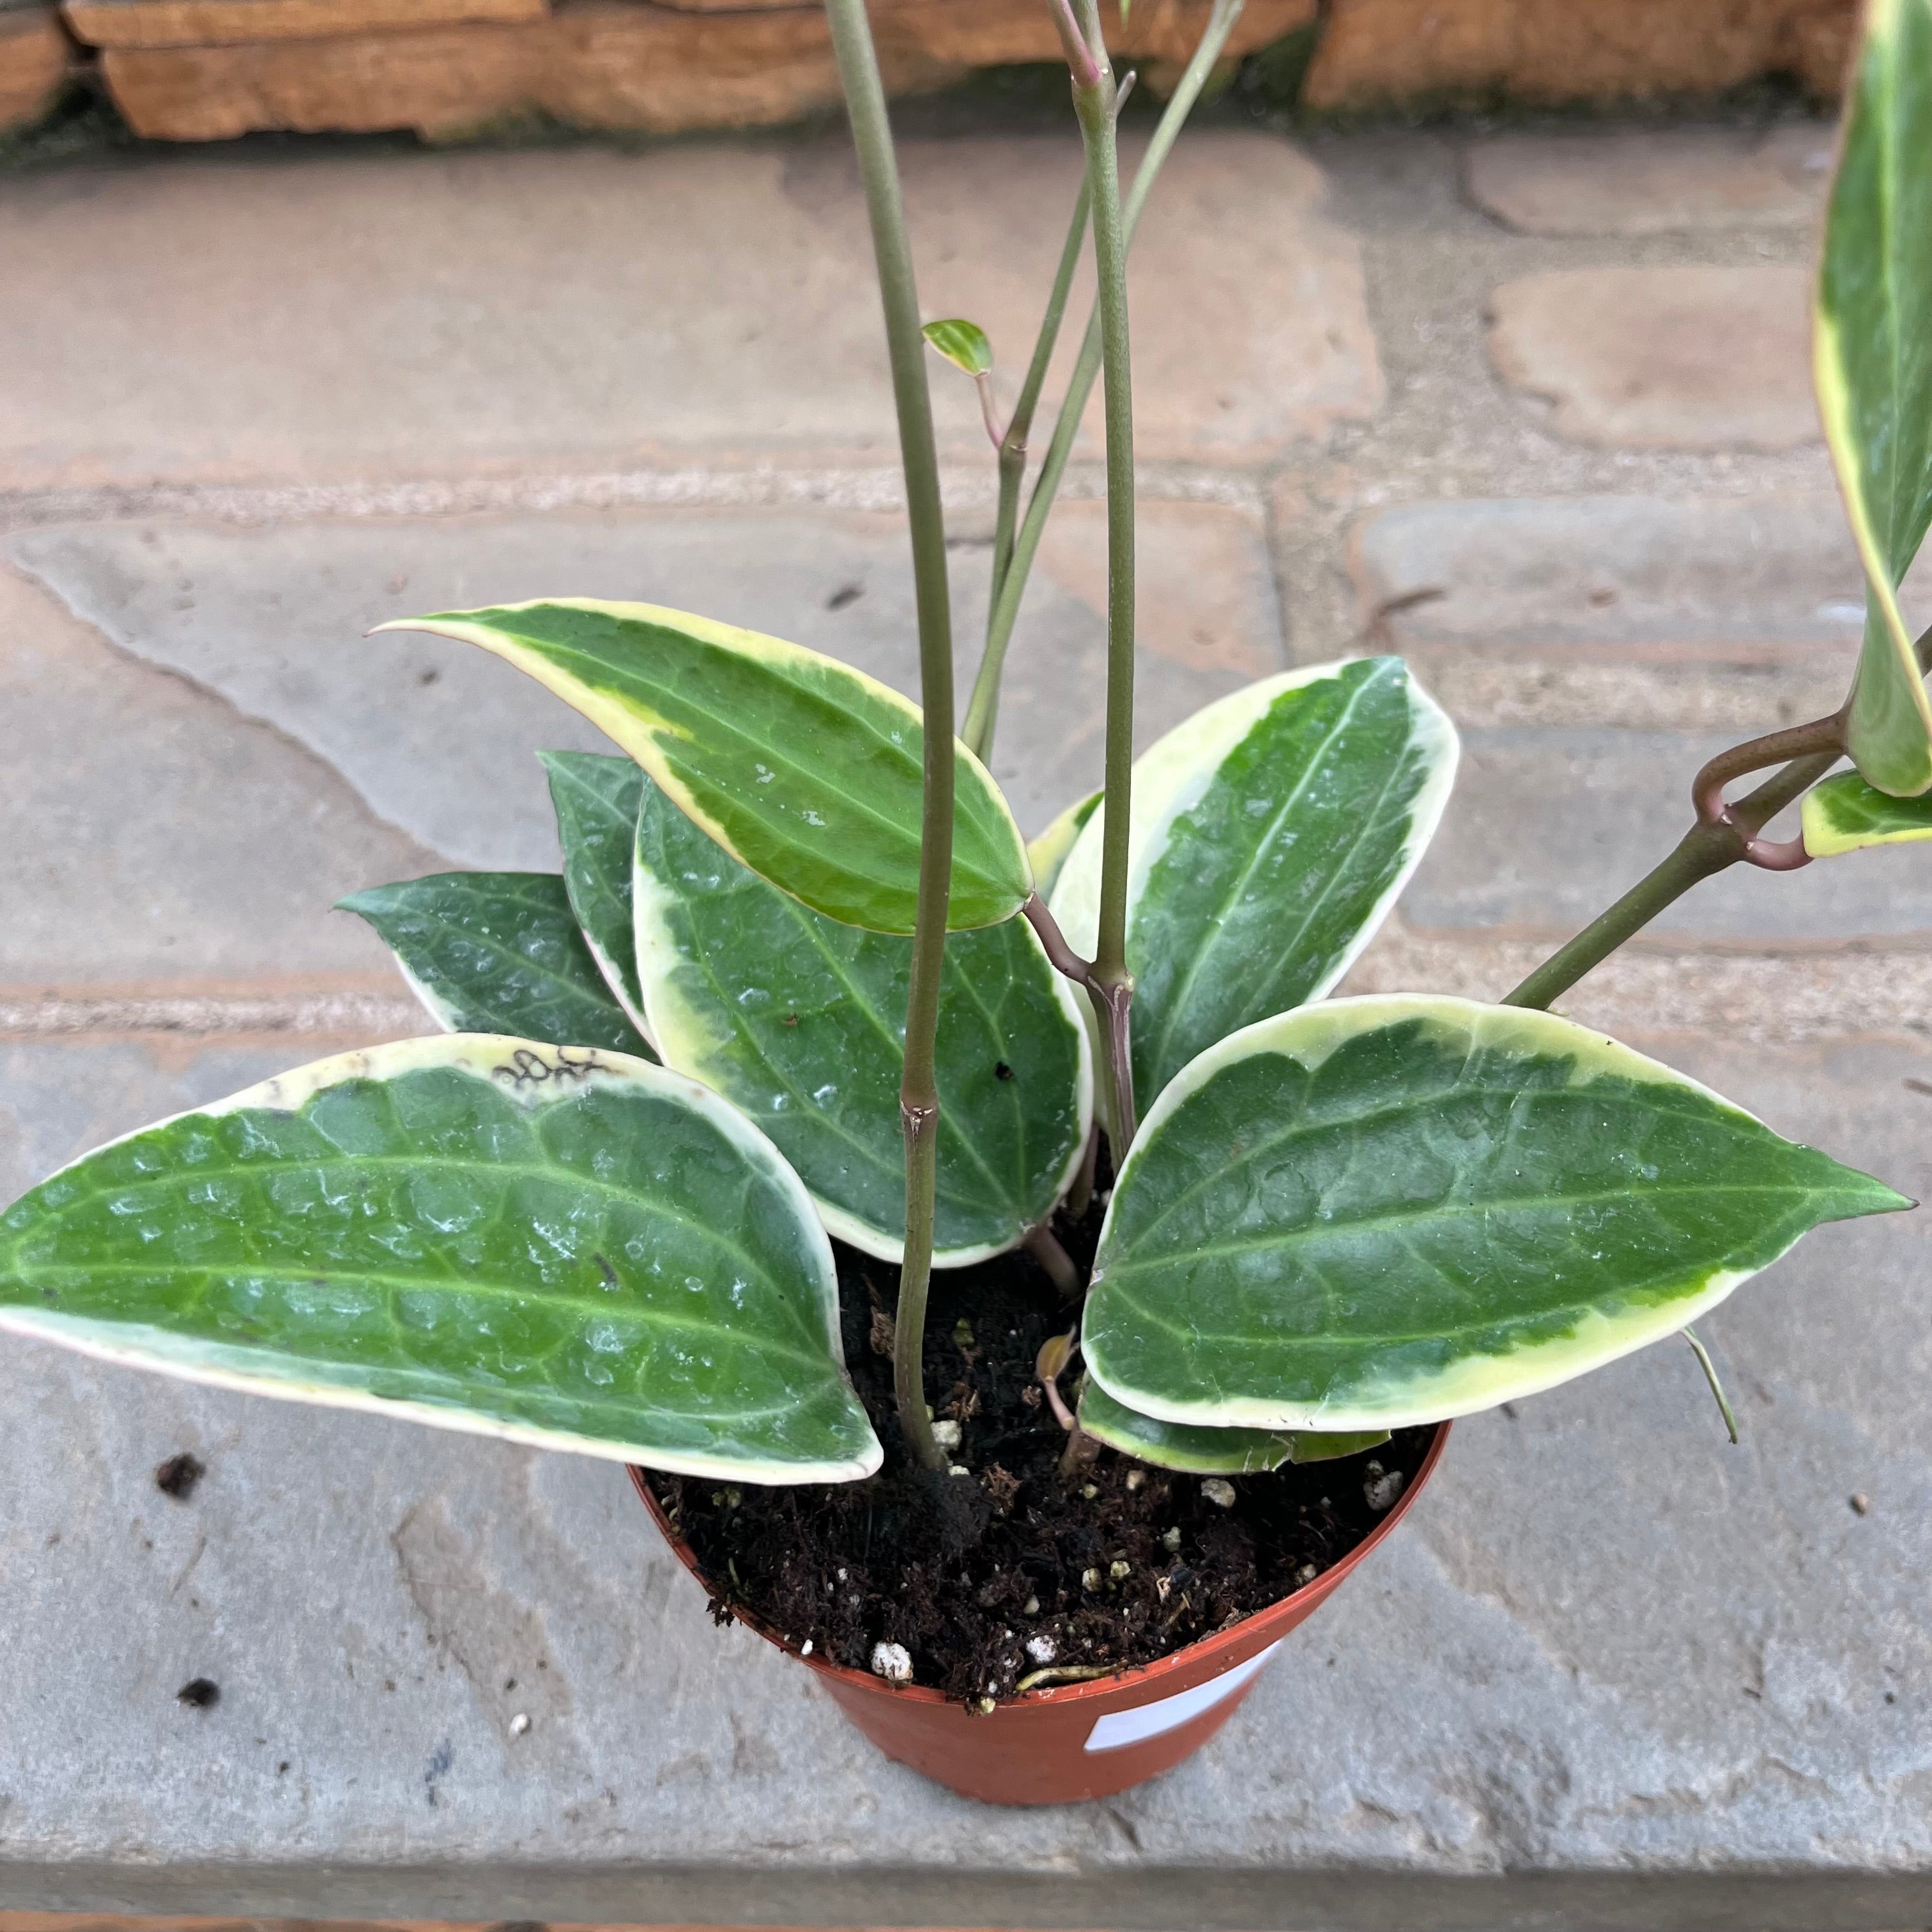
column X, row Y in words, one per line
column 1058, row 1744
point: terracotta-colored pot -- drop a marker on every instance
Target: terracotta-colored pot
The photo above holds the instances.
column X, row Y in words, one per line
column 1056, row 1745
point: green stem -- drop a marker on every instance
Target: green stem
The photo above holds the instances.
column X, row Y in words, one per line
column 1113, row 988
column 1013, row 444
column 919, row 1091
column 1722, row 835
column 1710, row 1368
column 1706, row 849
column 982, row 714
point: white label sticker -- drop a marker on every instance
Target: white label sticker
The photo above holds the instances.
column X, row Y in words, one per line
column 1165, row 1713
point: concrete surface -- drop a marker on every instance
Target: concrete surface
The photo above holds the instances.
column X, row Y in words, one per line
column 1614, row 1673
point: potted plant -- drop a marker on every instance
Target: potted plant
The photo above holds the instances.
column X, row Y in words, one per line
column 1162, row 1271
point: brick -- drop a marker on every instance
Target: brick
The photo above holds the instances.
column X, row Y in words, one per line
column 619, row 63
column 1548, row 825
column 1692, row 357
column 439, row 739
column 154, row 837
column 1655, row 180
column 630, row 65
column 1373, row 51
column 180, row 23
column 34, row 60
column 403, row 316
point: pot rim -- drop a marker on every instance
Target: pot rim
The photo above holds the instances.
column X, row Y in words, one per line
column 1110, row 1685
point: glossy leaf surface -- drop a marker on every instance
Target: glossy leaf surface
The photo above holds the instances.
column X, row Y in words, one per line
column 804, row 769
column 498, row 952
column 1210, row 1452
column 1873, row 368
column 1844, row 813
column 800, row 1021
column 963, row 343
column 1376, row 1212
column 595, row 799
column 1271, row 833
column 556, row 1245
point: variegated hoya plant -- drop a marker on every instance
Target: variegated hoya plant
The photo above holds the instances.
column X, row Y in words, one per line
column 802, row 979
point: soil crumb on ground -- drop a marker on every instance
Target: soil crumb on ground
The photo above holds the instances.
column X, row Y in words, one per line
column 178, row 1476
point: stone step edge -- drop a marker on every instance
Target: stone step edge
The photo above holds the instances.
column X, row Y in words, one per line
column 757, row 485
column 1768, row 997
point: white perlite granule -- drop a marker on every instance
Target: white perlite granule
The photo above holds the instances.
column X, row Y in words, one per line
column 893, row 1662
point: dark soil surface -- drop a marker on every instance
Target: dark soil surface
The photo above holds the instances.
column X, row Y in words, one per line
column 989, row 1578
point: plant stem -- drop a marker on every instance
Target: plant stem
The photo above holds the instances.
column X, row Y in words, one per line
column 1013, row 444
column 1708, row 848
column 1113, row 1002
column 1112, row 985
column 982, row 714
column 919, row 1091
column 1710, row 1368
column 1043, row 1244
column 1722, row 835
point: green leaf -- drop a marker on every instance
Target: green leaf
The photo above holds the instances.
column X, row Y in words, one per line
column 1271, row 833
column 1047, row 854
column 805, row 770
column 1376, row 1212
column 963, row 343
column 556, row 1246
column 498, row 952
column 595, row 799
column 1210, row 1452
column 1845, row 813
column 800, row 1021
column 1873, row 364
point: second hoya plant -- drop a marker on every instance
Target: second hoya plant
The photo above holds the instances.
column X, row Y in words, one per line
column 802, row 982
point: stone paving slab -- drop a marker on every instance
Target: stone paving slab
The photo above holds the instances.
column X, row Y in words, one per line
column 1692, row 357
column 1614, row 1674
column 438, row 739
column 149, row 834
column 1607, row 1644
column 1713, row 577
column 1654, row 181
column 1548, row 824
column 424, row 315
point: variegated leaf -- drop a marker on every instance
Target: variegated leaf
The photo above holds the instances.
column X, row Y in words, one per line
column 1048, row 853
column 800, row 1021
column 1271, row 833
column 963, row 343
column 1845, row 814
column 1376, row 1212
column 595, row 800
column 1873, row 357
column 498, row 952
column 1210, row 1452
column 558, row 1247
column 806, row 771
